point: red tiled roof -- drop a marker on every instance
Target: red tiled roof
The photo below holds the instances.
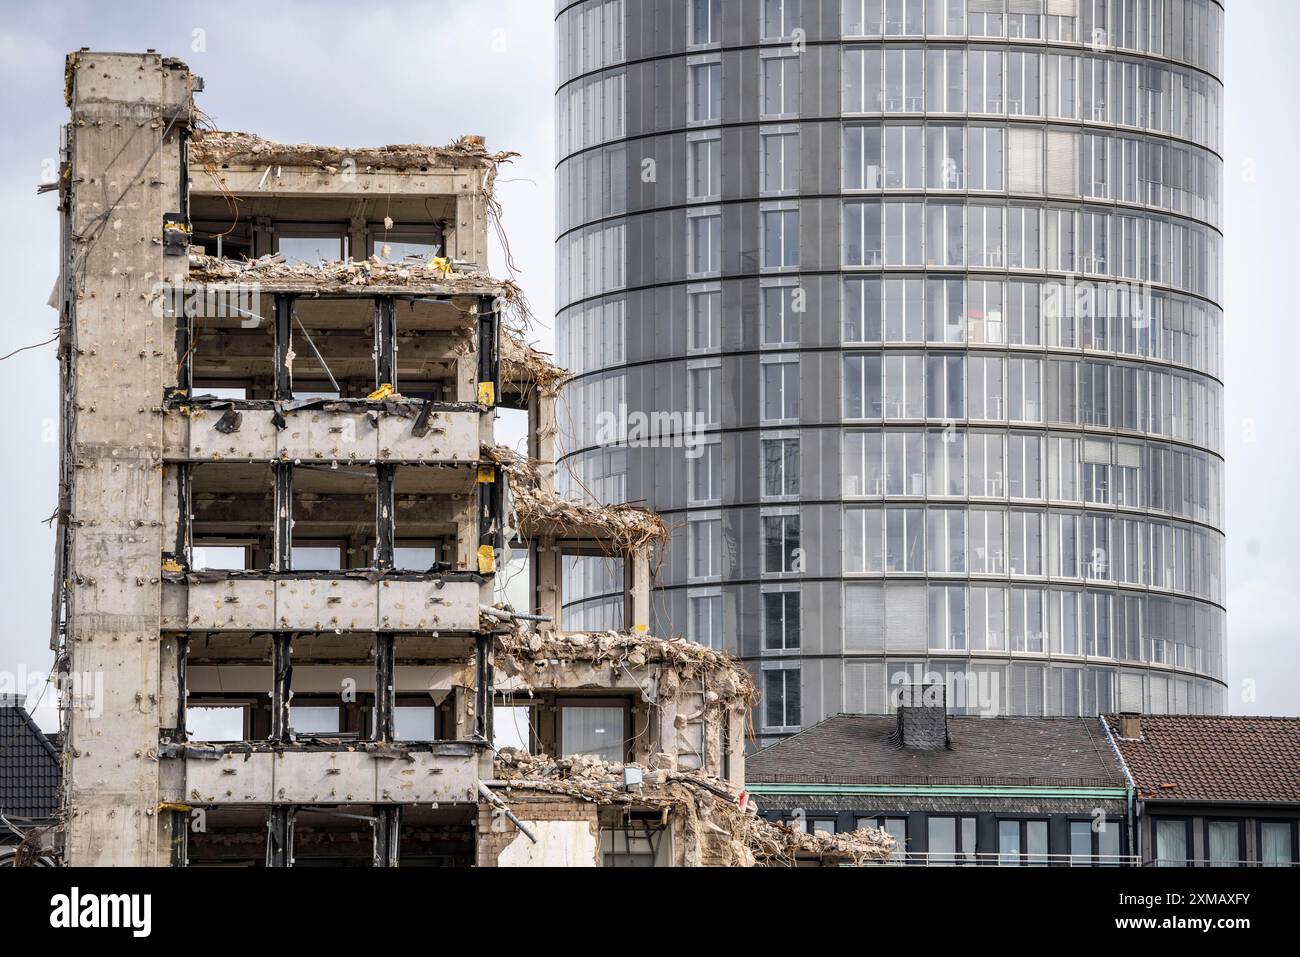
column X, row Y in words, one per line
column 1212, row 758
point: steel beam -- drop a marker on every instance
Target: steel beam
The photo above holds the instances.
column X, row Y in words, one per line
column 388, row 832
column 282, row 531
column 386, row 341
column 281, row 686
column 283, row 339
column 385, row 693
column 385, row 516
column 279, row 837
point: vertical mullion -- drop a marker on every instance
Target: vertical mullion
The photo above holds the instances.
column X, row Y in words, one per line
column 385, row 693
column 386, row 342
column 283, row 340
column 385, row 516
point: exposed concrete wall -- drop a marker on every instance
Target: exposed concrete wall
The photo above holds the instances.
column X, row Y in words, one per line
column 567, row 832
column 128, row 113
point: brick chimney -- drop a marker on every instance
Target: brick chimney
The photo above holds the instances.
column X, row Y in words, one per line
column 923, row 717
column 1130, row 725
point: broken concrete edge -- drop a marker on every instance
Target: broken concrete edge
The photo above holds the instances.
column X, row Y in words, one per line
column 372, row 575
column 374, row 276
column 538, row 513
column 235, row 148
column 528, row 367
column 395, row 404
column 317, row 744
column 720, row 825
column 521, row 653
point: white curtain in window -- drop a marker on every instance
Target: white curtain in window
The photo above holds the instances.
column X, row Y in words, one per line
column 1275, row 843
column 1171, row 844
column 592, row 732
column 1223, row 843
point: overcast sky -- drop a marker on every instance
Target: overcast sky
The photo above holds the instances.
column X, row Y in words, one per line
column 357, row 75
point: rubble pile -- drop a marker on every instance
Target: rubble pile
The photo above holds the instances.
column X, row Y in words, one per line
column 525, row 365
column 538, row 513
column 232, row 148
column 721, row 826
column 521, row 653
column 274, row 270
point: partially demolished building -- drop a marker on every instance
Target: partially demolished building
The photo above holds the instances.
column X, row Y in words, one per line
column 284, row 524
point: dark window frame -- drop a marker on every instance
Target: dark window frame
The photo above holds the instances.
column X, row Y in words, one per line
column 1094, row 856
column 1023, row 854
column 1186, row 822
column 878, row 821
column 629, row 732
column 959, row 852
column 1293, row 824
column 1240, row 824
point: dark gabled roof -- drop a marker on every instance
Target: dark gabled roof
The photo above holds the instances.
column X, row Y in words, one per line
column 1011, row 752
column 1213, row 758
column 29, row 767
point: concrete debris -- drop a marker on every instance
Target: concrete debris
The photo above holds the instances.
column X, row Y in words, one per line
column 522, row 653
column 218, row 148
column 275, row 273
column 539, row 513
column 720, row 826
column 526, row 367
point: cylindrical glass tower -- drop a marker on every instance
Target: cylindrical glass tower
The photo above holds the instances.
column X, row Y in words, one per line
column 904, row 313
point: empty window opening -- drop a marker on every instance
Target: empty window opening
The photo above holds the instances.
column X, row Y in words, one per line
column 394, row 244
column 217, row 722
column 634, row 839
column 332, row 348
column 312, row 245
column 232, row 509
column 334, row 836
column 334, row 517
column 232, row 343
column 226, row 837
column 515, row 726
column 437, row 837
column 225, row 239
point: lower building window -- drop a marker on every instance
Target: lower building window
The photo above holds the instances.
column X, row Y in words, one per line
column 1223, row 843
column 1172, row 848
column 1094, row 843
column 1022, row 843
column 951, row 840
column 895, row 827
column 1277, row 844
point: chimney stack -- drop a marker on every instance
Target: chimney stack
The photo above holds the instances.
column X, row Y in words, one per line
column 923, row 717
column 1130, row 725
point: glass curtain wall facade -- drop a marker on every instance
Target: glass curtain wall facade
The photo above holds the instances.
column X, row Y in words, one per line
column 924, row 294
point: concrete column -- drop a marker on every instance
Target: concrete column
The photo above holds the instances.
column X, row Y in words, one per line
column 469, row 240
column 124, row 176
column 638, row 597
column 542, row 434
column 544, row 568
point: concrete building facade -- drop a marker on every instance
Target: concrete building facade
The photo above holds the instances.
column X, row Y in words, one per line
column 923, row 297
